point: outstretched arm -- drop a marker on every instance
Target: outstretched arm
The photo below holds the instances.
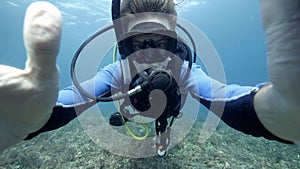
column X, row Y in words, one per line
column 278, row 104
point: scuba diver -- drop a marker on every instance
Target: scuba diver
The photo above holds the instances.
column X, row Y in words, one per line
column 156, row 72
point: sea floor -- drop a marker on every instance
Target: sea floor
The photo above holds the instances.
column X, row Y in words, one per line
column 71, row 147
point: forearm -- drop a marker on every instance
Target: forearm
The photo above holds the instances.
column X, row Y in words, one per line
column 62, row 115
column 239, row 113
column 232, row 103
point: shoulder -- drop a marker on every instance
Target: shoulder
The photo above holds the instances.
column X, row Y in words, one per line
column 195, row 72
column 111, row 69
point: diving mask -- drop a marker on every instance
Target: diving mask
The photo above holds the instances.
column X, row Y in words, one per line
column 147, row 44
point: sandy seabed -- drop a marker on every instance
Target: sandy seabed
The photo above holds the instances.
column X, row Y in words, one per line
column 71, row 147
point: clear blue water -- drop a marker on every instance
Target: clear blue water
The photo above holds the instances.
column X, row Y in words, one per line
column 233, row 26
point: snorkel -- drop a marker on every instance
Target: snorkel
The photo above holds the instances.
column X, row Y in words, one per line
column 118, row 27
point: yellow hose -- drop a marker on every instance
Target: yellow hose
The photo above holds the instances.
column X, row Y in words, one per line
column 139, row 122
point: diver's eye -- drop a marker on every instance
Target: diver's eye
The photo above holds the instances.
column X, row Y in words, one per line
column 137, row 46
column 162, row 44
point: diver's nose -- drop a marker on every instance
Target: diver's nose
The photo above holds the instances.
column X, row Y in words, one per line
column 148, row 55
column 148, row 45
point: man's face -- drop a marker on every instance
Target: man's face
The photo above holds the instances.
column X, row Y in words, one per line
column 151, row 50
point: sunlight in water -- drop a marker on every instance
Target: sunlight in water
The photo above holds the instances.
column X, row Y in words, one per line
column 99, row 9
column 182, row 5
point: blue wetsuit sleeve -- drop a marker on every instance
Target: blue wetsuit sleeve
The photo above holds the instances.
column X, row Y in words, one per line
column 232, row 103
column 203, row 85
column 71, row 102
column 61, row 115
column 105, row 80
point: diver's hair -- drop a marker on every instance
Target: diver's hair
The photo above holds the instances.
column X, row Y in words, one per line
column 140, row 6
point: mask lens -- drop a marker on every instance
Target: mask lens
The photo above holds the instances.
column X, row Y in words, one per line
column 151, row 47
column 139, row 42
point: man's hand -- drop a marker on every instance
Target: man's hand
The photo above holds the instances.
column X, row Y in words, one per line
column 278, row 104
column 28, row 96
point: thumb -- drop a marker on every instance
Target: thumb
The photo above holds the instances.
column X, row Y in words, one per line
column 42, row 34
column 281, row 20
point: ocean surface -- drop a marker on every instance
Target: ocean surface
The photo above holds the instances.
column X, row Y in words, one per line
column 232, row 26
